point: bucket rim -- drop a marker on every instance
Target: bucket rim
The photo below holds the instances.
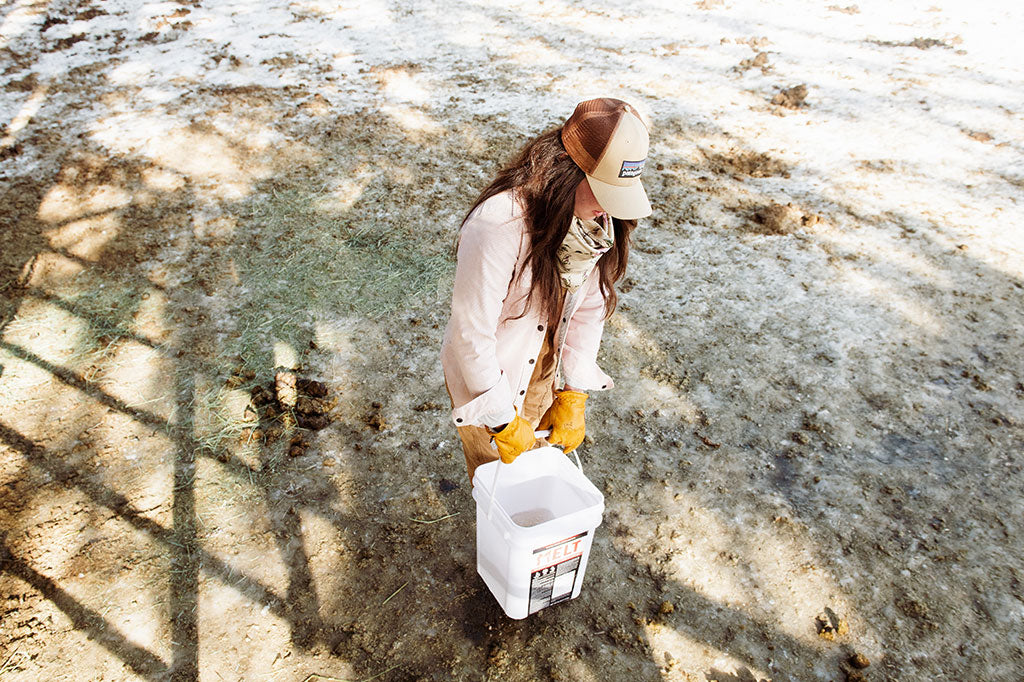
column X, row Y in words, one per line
column 592, row 496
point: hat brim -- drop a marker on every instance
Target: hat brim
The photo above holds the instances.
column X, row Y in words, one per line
column 626, row 203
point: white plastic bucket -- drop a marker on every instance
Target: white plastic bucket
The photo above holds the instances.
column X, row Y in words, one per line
column 532, row 546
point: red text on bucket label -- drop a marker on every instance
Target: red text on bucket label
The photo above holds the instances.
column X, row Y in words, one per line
column 559, row 551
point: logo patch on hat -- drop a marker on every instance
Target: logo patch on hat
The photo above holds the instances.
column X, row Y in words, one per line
column 632, row 169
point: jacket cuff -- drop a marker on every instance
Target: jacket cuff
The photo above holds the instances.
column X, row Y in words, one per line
column 495, row 400
column 493, row 419
column 583, row 374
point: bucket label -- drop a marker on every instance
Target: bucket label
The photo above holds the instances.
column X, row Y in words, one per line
column 556, row 567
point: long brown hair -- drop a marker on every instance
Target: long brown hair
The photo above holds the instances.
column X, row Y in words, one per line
column 545, row 178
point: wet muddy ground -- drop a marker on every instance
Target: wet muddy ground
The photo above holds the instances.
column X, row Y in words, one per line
column 225, row 445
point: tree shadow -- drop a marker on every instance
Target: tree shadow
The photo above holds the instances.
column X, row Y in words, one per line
column 401, row 592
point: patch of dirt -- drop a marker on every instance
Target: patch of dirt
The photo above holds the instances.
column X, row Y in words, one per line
column 277, row 408
column 791, row 98
column 318, row 105
column 375, row 418
column 746, row 163
column 91, row 13
column 830, row 626
column 51, row 20
column 854, row 667
column 849, row 9
column 65, row 43
column 26, row 84
column 879, row 165
column 282, row 61
column 919, row 43
column 755, row 43
column 781, row 219
column 759, row 61
column 11, row 151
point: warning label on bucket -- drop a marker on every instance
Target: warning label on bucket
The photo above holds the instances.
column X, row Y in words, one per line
column 554, row 576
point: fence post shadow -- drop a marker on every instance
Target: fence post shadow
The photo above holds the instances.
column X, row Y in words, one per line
column 184, row 557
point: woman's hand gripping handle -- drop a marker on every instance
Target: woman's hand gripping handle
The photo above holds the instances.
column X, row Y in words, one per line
column 514, row 439
column 566, row 420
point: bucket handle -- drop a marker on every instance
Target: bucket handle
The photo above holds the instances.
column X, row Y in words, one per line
column 547, row 432
column 494, row 482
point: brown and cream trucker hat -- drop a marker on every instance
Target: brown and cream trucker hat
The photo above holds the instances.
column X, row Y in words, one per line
column 608, row 141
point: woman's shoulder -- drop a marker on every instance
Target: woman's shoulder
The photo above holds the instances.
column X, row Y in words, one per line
column 501, row 210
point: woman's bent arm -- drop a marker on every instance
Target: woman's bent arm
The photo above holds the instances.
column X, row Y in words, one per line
column 582, row 340
column 487, row 256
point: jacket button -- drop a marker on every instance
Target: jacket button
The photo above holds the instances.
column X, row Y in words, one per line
column 532, row 361
column 459, row 420
column 540, row 327
column 522, row 392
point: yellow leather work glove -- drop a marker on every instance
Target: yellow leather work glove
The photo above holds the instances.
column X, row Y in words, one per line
column 565, row 419
column 515, row 439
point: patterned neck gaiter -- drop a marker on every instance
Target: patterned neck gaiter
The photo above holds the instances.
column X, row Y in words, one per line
column 585, row 243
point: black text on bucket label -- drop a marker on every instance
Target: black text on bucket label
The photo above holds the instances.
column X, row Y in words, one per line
column 555, row 569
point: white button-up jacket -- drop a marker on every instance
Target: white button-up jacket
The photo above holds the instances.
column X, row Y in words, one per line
column 487, row 347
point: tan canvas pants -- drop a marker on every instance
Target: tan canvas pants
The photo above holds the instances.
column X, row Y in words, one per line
column 476, row 442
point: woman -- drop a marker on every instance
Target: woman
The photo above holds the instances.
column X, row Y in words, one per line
column 539, row 253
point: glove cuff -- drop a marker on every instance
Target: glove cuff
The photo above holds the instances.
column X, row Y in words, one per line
column 571, row 397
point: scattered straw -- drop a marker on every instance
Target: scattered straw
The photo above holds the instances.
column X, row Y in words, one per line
column 328, row 678
column 394, row 593
column 435, row 520
column 3, row 668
